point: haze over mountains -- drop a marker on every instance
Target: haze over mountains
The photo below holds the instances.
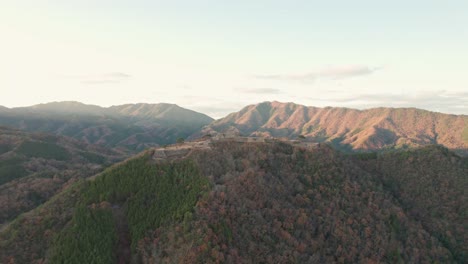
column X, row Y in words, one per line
column 129, row 127
column 134, row 127
column 314, row 132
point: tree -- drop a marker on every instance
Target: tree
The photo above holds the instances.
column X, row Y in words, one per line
column 180, row 141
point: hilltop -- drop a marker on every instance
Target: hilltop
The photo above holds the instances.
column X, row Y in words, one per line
column 253, row 200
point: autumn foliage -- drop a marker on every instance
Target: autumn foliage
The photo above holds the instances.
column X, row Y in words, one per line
column 264, row 203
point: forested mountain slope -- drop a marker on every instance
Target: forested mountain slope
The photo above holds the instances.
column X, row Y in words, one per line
column 349, row 129
column 129, row 127
column 35, row 166
column 271, row 202
column 431, row 184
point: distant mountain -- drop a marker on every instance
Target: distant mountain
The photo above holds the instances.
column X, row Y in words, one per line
column 349, row 129
column 35, row 166
column 163, row 113
column 230, row 201
column 66, row 107
column 129, row 127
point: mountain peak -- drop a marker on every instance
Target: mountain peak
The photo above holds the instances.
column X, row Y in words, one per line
column 348, row 128
column 66, row 107
column 161, row 111
column 63, row 103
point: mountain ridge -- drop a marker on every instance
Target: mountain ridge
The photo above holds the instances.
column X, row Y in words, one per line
column 142, row 125
column 347, row 128
column 130, row 127
column 77, row 103
column 158, row 109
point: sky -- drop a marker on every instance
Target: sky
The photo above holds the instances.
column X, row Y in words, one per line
column 217, row 56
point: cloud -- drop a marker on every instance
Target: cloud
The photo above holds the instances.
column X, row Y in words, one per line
column 440, row 101
column 216, row 107
column 217, row 111
column 309, row 77
column 119, row 75
column 331, row 73
column 258, row 90
column 339, row 73
column 104, row 78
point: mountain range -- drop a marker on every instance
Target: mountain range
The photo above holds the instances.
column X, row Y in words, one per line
column 129, row 127
column 348, row 129
column 272, row 183
column 135, row 127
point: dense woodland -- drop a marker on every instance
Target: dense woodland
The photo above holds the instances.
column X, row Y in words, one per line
column 36, row 166
column 90, row 237
column 284, row 204
column 431, row 185
column 150, row 195
column 255, row 202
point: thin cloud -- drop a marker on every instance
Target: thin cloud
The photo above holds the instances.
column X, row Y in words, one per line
column 211, row 106
column 331, row 73
column 258, row 90
column 440, row 101
column 346, row 72
column 309, row 77
column 104, row 81
column 119, row 75
column 217, row 111
column 107, row 78
column 104, row 78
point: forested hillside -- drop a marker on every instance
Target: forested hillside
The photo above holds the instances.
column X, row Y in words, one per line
column 431, row 185
column 36, row 166
column 255, row 202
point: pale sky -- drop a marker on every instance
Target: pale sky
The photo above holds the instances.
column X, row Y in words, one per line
column 217, row 56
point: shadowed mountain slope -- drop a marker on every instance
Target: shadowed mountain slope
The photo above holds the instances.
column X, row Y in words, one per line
column 349, row 129
column 129, row 127
column 164, row 113
column 65, row 107
column 35, row 166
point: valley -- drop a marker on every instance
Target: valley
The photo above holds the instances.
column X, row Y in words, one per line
column 252, row 187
